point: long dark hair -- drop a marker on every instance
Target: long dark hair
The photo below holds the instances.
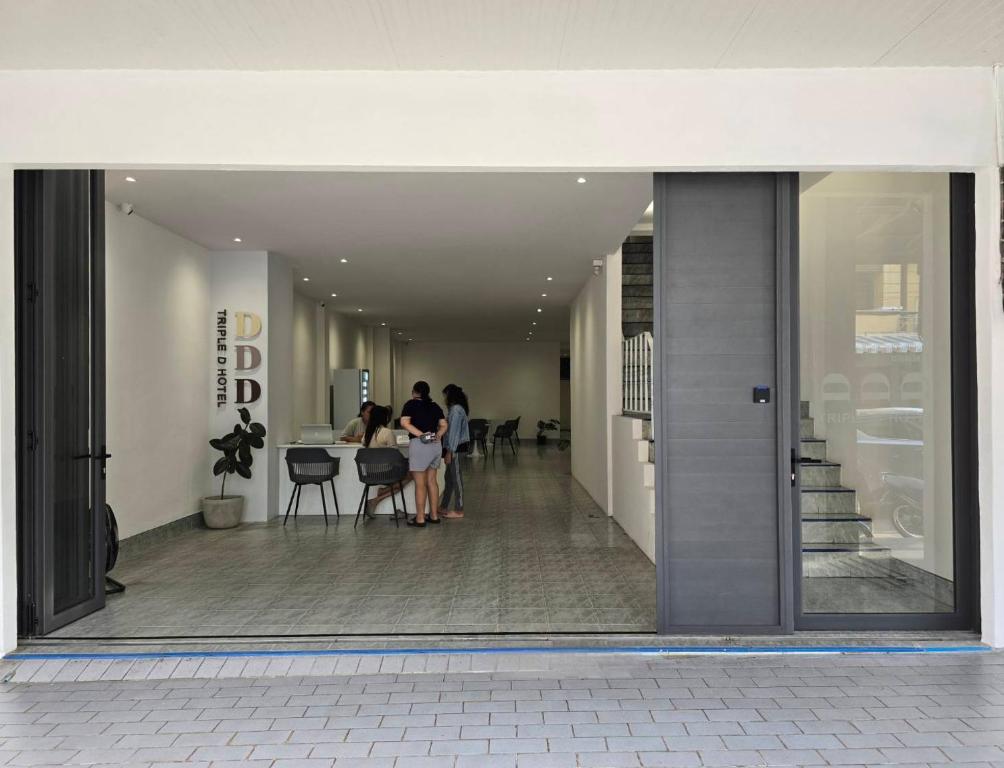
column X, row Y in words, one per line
column 422, row 389
column 456, row 396
column 379, row 417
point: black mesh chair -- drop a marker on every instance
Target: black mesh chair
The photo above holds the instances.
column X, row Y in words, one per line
column 478, row 429
column 311, row 466
column 515, row 428
column 504, row 432
column 381, row 466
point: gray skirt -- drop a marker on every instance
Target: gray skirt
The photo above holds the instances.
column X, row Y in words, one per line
column 423, row 456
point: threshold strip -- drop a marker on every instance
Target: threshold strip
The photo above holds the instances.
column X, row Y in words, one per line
column 668, row 650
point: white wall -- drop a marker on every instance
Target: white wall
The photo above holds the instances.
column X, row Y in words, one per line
column 158, row 340
column 502, row 380
column 308, row 365
column 778, row 119
column 347, row 342
column 240, row 283
column 279, row 375
column 632, row 480
column 588, row 388
column 919, row 118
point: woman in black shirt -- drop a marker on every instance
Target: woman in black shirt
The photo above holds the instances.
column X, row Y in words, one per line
column 426, row 423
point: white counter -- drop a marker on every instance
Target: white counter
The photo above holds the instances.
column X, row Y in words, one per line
column 347, row 485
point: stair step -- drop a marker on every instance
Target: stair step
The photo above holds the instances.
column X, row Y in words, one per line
column 813, row 448
column 807, row 427
column 803, row 409
column 864, row 560
column 646, row 429
column 835, row 529
column 823, row 474
column 828, row 501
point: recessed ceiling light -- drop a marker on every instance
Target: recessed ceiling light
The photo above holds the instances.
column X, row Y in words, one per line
column 237, row 240
column 410, row 339
column 306, row 279
column 382, row 324
column 360, row 309
column 534, row 322
column 344, row 261
column 581, row 179
column 527, row 338
column 334, row 295
column 543, row 295
column 130, row 179
column 539, row 309
column 400, row 333
column 550, row 279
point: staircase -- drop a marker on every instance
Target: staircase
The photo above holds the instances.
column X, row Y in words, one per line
column 636, row 285
column 836, row 540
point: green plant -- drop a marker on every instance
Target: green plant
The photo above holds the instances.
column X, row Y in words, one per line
column 546, row 426
column 236, row 447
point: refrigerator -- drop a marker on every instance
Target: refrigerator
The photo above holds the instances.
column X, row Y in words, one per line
column 348, row 388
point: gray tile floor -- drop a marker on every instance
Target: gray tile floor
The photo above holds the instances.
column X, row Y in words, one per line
column 534, row 554
column 509, row 711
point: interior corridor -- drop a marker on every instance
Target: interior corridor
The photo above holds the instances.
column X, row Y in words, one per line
column 534, row 554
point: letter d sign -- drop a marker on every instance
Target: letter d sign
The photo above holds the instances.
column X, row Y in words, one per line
column 248, row 325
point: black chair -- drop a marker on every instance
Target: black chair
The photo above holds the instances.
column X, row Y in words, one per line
column 478, row 429
column 381, row 466
column 504, row 432
column 515, row 428
column 311, row 466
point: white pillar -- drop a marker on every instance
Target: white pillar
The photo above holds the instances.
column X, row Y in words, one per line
column 8, row 434
column 990, row 403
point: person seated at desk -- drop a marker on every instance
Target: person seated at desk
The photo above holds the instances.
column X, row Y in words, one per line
column 356, row 428
column 378, row 435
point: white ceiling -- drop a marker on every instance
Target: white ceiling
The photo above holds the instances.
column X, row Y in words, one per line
column 497, row 34
column 437, row 255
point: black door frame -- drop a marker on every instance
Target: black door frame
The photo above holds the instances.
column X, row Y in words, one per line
column 39, row 232
column 965, row 452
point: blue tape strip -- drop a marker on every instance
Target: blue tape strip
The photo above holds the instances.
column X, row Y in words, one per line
column 647, row 650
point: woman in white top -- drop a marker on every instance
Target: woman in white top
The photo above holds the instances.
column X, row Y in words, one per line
column 377, row 434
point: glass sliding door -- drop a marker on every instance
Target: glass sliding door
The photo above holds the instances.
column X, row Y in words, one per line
column 876, row 460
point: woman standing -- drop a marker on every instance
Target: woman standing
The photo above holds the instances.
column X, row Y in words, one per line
column 425, row 422
column 457, row 440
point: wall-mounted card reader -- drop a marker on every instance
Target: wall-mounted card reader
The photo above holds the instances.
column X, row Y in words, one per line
column 761, row 393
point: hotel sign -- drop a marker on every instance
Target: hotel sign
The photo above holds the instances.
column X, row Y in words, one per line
column 246, row 357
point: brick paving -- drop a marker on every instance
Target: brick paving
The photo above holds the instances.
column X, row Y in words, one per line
column 455, row 710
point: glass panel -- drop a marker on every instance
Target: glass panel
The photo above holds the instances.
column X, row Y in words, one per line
column 73, row 528
column 875, row 378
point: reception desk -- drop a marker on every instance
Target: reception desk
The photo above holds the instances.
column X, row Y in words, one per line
column 347, row 485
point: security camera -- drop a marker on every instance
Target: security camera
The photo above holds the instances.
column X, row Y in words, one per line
column 126, row 208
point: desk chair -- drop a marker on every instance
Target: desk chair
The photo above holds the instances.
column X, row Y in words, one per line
column 311, row 466
column 381, row 466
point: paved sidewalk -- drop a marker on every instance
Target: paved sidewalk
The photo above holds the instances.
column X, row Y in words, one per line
column 508, row 711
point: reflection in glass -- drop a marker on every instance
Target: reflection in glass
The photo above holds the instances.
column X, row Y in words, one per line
column 875, row 379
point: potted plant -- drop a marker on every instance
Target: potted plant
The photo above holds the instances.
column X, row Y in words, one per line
column 545, row 426
column 225, row 511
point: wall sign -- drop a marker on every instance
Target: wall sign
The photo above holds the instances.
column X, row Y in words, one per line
column 247, row 358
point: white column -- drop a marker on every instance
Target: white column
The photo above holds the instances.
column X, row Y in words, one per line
column 614, row 362
column 990, row 397
column 8, row 434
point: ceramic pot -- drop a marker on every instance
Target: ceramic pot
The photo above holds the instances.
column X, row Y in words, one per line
column 222, row 512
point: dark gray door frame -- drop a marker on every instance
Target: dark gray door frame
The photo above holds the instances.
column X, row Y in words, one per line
column 965, row 469
column 59, row 230
column 785, row 396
